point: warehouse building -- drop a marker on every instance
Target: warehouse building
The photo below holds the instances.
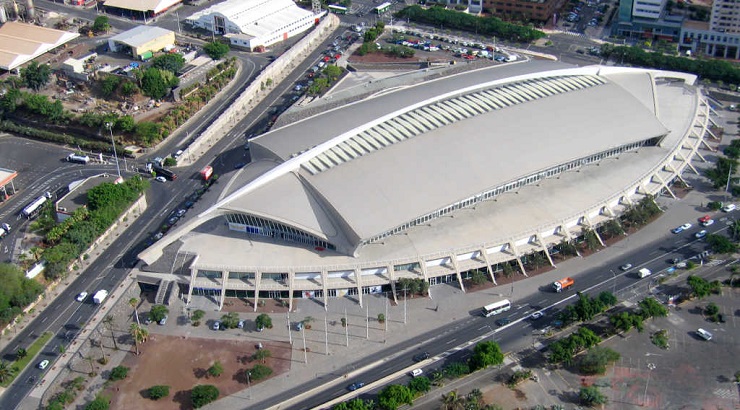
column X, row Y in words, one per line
column 21, row 43
column 141, row 40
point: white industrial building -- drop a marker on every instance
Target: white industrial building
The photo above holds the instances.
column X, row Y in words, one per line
column 253, row 23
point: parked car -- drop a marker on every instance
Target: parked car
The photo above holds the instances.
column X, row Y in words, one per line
column 161, row 179
column 354, row 386
column 708, row 222
column 240, row 325
column 81, row 297
column 181, row 212
column 704, row 218
column 682, row 228
column 163, row 321
column 45, row 363
column 217, row 325
column 701, row 234
column 421, row 357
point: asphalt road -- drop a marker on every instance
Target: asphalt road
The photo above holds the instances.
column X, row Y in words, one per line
column 513, row 336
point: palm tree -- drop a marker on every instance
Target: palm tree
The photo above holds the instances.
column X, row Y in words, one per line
column 90, row 360
column 133, row 302
column 139, row 334
column 475, row 397
column 108, row 322
column 6, row 372
column 735, row 230
column 453, row 401
column 262, row 355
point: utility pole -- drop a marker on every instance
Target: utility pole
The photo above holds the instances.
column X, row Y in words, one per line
column 385, row 327
column 287, row 322
column 109, row 125
column 367, row 321
column 404, row 305
column 346, row 326
column 249, row 386
column 177, row 15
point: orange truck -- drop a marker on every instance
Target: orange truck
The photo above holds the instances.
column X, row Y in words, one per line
column 563, row 284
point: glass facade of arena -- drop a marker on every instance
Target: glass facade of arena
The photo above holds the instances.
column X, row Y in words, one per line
column 259, row 226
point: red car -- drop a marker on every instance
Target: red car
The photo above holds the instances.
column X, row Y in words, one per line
column 704, row 218
column 337, row 56
column 326, row 59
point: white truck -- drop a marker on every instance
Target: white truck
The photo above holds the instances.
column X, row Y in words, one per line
column 4, row 230
column 100, row 296
column 644, row 272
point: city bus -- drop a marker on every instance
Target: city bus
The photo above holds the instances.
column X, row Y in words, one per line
column 382, row 8
column 337, row 9
column 496, row 308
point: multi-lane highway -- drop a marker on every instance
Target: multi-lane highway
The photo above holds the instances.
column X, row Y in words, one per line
column 445, row 340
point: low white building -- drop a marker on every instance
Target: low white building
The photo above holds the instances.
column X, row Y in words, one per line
column 253, row 23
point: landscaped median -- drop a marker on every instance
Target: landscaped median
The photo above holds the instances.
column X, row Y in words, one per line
column 16, row 367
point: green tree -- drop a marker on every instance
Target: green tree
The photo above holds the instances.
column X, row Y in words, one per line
column 607, row 298
column 158, row 313
column 456, row 369
column 139, row 335
column 720, row 243
column 170, row 162
column 147, row 132
column 119, row 373
column 259, row 372
column 170, row 62
column 596, row 360
column 420, row 385
column 16, row 292
column 649, row 307
column 125, row 123
column 101, row 24
column 478, row 277
column 21, row 353
column 355, row 404
column 100, row 403
column 263, row 321
column 333, row 72
column 486, row 354
column 475, row 397
column 230, row 320
column 453, row 401
column 198, row 314
column 6, row 371
column 393, row 396
column 591, row 395
column 216, row 369
column 216, row 50
column 156, row 83
column 203, row 394
column 109, row 84
column 700, row 287
column 262, row 355
column 36, row 75
column 159, row 391
column 128, row 89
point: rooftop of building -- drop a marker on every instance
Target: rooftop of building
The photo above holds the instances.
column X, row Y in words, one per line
column 140, row 35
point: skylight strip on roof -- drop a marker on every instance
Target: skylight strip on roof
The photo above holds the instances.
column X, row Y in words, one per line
column 576, row 81
column 419, row 117
column 545, row 91
column 416, row 125
column 461, row 107
column 449, row 109
column 546, row 85
column 398, row 130
column 526, row 91
column 431, row 116
column 441, row 113
column 557, row 85
column 368, row 139
column 505, row 98
column 310, row 168
column 357, row 147
column 389, row 132
column 325, row 161
column 343, row 150
column 317, row 165
column 472, row 104
column 483, row 101
column 331, row 156
column 566, row 82
column 493, row 98
column 376, row 136
column 361, row 141
column 404, row 124
column 507, row 90
column 534, row 90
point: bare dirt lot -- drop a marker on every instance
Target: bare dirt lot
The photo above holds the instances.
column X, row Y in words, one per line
column 182, row 363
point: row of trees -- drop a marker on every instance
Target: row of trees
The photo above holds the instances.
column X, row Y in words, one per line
column 714, row 69
column 485, row 354
column 439, row 16
column 64, row 242
column 16, row 293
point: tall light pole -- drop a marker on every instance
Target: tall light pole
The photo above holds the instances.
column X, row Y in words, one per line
column 326, row 335
column 287, row 321
column 249, row 386
column 614, row 282
column 109, row 125
column 651, row 367
column 303, row 335
column 404, row 306
column 367, row 321
column 346, row 326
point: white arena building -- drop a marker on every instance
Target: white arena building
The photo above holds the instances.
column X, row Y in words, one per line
column 253, row 23
column 430, row 181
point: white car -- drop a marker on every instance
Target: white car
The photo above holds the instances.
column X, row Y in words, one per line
column 43, row 364
column 416, row 372
column 701, row 234
column 161, row 179
column 536, row 315
column 708, row 222
column 626, row 267
column 81, row 297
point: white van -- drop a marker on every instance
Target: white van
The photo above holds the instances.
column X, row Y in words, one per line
column 644, row 272
column 729, row 207
column 704, row 334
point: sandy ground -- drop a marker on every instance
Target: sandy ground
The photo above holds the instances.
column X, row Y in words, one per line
column 182, row 363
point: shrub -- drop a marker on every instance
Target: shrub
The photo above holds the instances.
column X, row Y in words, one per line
column 660, row 339
column 259, row 372
column 119, row 373
column 158, row 392
column 591, row 395
column 203, row 394
column 596, row 360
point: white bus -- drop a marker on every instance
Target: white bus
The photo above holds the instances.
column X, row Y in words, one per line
column 382, row 8
column 496, row 308
column 337, row 9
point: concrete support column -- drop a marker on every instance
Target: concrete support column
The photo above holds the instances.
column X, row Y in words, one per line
column 424, row 272
column 544, row 249
column 392, row 279
column 453, row 260
column 291, row 286
column 665, row 185
column 569, row 237
column 324, row 280
column 484, row 255
column 257, row 283
column 224, row 282
column 193, row 273
column 518, row 258
column 593, row 228
column 688, row 163
column 358, row 282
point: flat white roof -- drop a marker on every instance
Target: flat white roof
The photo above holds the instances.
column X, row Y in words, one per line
column 21, row 42
column 140, row 35
column 155, row 6
column 256, row 17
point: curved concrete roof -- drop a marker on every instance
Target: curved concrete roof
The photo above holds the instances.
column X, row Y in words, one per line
column 617, row 112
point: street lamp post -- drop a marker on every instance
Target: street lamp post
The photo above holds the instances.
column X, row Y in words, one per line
column 249, row 386
column 651, row 367
column 614, row 282
column 109, row 125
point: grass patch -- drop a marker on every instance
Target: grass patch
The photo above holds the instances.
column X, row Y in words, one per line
column 19, row 365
